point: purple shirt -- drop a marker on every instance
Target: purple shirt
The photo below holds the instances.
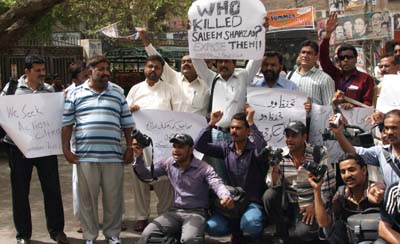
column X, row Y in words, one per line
column 247, row 170
column 190, row 185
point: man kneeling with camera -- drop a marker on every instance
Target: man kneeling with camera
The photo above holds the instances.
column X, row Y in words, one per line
column 349, row 200
column 290, row 202
column 191, row 179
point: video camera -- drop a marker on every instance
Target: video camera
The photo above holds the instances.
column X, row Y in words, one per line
column 355, row 134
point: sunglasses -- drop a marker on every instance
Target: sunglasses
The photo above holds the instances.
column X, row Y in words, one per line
column 343, row 57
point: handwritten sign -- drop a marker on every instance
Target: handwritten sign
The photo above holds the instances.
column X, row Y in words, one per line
column 389, row 97
column 275, row 108
column 291, row 19
column 227, row 29
column 161, row 126
column 33, row 122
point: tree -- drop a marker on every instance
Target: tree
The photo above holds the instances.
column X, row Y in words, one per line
column 20, row 17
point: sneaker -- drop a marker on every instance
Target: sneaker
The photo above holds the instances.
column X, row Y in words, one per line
column 114, row 240
column 23, row 241
column 89, row 242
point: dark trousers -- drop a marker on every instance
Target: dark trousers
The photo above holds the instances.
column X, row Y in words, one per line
column 21, row 173
column 283, row 218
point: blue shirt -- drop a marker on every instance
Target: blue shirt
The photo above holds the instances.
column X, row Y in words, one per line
column 281, row 83
column 246, row 170
column 374, row 156
column 190, row 185
column 98, row 119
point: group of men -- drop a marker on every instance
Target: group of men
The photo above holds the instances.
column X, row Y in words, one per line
column 298, row 201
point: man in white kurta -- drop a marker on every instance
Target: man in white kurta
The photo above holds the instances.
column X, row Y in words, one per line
column 151, row 94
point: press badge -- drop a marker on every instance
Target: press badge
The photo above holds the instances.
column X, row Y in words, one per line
column 353, row 87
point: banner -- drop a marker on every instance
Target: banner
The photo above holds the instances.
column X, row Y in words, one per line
column 368, row 26
column 389, row 97
column 290, row 19
column 110, row 31
column 160, row 126
column 221, row 29
column 34, row 122
column 336, row 6
column 275, row 108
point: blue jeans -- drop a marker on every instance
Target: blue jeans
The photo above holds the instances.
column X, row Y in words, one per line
column 251, row 223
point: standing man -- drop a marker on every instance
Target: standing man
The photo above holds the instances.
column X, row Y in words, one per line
column 353, row 83
column 245, row 167
column 99, row 112
column 193, row 92
column 290, row 201
column 351, row 198
column 315, row 83
column 47, row 167
column 271, row 68
column 151, row 94
column 191, row 180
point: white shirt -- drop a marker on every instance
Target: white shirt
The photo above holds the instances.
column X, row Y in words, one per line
column 193, row 96
column 229, row 95
column 159, row 96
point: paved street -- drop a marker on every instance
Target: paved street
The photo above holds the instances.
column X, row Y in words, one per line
column 40, row 235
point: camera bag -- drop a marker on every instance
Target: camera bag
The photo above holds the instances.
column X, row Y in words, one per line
column 363, row 226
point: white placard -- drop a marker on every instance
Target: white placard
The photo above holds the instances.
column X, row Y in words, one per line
column 226, row 29
column 34, row 122
column 275, row 108
column 389, row 97
column 162, row 125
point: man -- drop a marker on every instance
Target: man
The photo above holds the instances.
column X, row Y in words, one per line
column 47, row 167
column 396, row 48
column 348, row 29
column 316, row 84
column 151, row 94
column 245, row 167
column 191, row 179
column 99, row 112
column 376, row 155
column 193, row 92
column 349, row 199
column 353, row 83
column 388, row 65
column 376, row 24
column 389, row 225
column 271, row 68
column 290, row 202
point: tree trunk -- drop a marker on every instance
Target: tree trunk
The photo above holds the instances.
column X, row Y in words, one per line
column 18, row 20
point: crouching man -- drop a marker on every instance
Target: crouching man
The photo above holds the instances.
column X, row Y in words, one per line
column 349, row 199
column 191, row 179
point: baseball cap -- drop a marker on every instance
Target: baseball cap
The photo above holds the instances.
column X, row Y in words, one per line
column 182, row 139
column 297, row 127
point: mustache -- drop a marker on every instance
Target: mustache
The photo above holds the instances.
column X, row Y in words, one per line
column 391, row 136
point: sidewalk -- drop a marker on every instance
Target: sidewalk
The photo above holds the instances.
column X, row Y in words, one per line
column 40, row 234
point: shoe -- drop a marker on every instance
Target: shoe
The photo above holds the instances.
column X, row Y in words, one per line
column 113, row 240
column 61, row 238
column 140, row 225
column 89, row 242
column 23, row 241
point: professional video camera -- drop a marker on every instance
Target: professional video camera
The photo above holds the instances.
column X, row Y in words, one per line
column 316, row 169
column 274, row 156
column 355, row 134
column 142, row 139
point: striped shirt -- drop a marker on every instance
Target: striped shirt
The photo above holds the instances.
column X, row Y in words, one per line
column 317, row 84
column 297, row 186
column 22, row 89
column 98, row 120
